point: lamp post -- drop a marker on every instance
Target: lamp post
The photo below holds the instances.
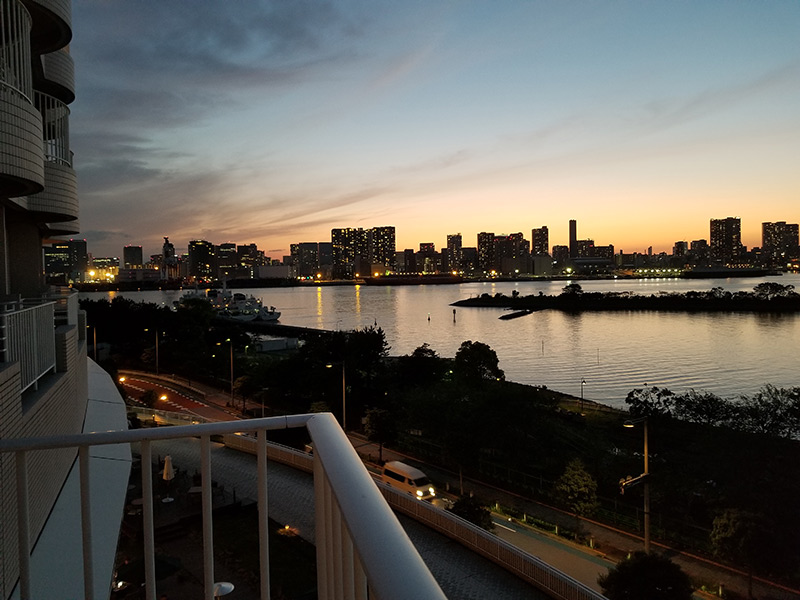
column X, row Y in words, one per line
column 344, row 405
column 583, row 383
column 157, row 333
column 230, row 342
column 644, row 478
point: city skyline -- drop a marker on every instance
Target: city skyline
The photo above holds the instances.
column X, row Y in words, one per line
column 275, row 123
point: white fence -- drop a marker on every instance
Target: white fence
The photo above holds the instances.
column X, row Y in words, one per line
column 355, row 527
column 27, row 336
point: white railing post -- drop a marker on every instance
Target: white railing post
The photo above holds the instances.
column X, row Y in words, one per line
column 147, row 510
column 321, row 519
column 263, row 515
column 86, row 524
column 23, row 526
column 346, row 551
column 208, row 507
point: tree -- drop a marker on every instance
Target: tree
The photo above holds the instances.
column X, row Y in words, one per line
column 702, row 407
column 476, row 362
column 573, row 289
column 645, row 576
column 648, row 402
column 380, row 426
column 743, row 538
column 771, row 289
column 422, row 367
column 577, row 489
column 771, row 410
column 472, row 510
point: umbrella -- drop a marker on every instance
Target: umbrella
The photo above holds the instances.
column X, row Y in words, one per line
column 168, row 475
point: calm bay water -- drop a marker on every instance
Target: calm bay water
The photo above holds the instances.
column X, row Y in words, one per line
column 728, row 354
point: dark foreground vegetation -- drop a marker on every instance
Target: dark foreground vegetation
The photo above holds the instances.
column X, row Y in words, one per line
column 765, row 297
column 725, row 473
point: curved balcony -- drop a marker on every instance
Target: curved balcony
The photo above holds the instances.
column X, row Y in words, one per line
column 58, row 76
column 52, row 24
column 59, row 199
column 22, row 155
column 70, row 228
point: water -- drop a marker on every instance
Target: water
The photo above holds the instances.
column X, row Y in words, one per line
column 728, row 354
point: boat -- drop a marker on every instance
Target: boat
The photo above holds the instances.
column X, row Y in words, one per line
column 233, row 306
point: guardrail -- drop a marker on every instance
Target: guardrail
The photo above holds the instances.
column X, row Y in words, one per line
column 356, row 529
column 26, row 336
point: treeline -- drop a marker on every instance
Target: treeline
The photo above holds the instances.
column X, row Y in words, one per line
column 771, row 411
column 765, row 297
column 716, row 465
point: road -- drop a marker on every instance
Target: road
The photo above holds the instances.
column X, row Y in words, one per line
column 580, row 562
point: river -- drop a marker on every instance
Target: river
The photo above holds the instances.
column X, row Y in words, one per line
column 728, row 354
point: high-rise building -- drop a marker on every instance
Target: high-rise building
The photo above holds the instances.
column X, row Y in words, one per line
column 350, row 251
column 540, row 241
column 382, row 246
column 680, row 248
column 726, row 239
column 573, row 238
column 169, row 260
column 47, row 387
column 132, row 257
column 305, row 258
column 201, row 260
column 485, row 251
column 779, row 242
column 454, row 252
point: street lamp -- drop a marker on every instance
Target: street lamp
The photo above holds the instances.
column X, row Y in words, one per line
column 344, row 405
column 583, row 383
column 644, row 478
column 156, row 349
column 230, row 341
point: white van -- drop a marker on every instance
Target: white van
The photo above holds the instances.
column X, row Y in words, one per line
column 408, row 479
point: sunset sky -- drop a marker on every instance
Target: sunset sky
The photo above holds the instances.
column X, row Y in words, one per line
column 274, row 122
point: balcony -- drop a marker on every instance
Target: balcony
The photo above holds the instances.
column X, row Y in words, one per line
column 26, row 337
column 362, row 551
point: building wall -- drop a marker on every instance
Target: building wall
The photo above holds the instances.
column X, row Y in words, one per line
column 57, row 407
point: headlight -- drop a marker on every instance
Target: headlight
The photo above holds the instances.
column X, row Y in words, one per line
column 419, row 492
column 432, row 491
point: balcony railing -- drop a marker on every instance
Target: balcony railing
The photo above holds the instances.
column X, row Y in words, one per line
column 356, row 529
column 26, row 336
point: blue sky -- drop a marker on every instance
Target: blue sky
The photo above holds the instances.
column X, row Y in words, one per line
column 273, row 122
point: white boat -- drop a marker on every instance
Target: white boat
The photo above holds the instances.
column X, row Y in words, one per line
column 235, row 306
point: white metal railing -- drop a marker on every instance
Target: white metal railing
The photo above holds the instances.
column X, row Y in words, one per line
column 27, row 336
column 356, row 528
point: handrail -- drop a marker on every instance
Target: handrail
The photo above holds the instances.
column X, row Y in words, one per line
column 377, row 555
column 392, row 564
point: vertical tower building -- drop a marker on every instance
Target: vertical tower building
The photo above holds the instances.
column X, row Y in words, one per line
column 382, row 246
column 47, row 386
column 486, row 251
column 454, row 252
column 201, row 259
column 779, row 241
column 540, row 241
column 132, row 257
column 573, row 238
column 726, row 239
